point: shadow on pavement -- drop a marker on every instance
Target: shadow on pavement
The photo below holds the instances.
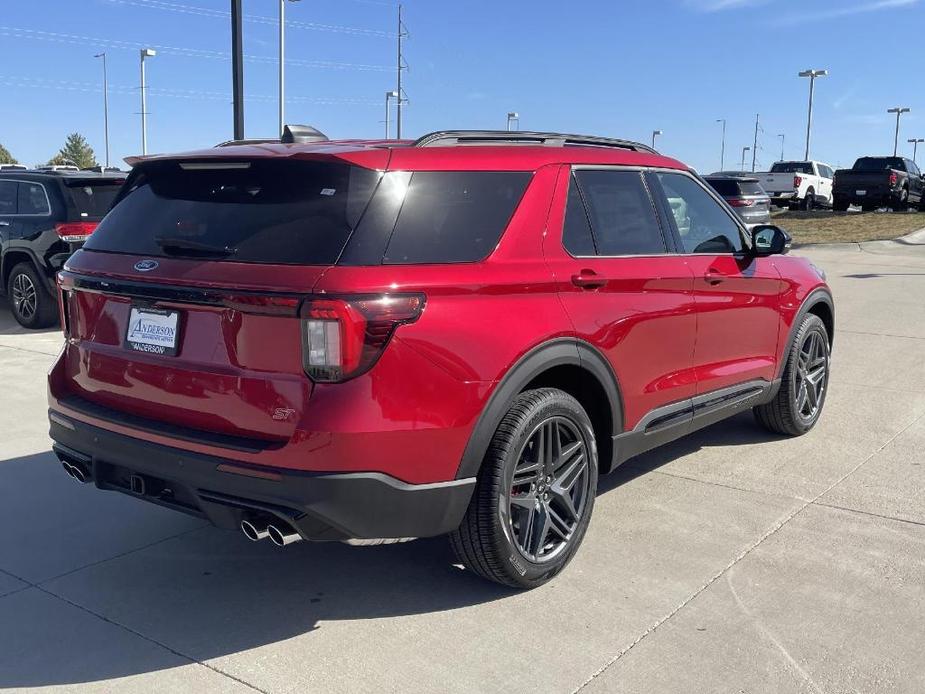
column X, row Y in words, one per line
column 207, row 593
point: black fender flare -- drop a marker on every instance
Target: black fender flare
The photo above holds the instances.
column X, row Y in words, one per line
column 820, row 295
column 7, row 265
column 558, row 352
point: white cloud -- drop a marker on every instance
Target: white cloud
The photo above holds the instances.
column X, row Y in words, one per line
column 834, row 13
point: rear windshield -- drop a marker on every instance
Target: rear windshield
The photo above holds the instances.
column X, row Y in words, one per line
column 90, row 199
column 800, row 167
column 730, row 188
column 281, row 212
column 878, row 164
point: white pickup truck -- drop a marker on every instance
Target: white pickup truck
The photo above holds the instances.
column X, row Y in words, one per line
column 798, row 184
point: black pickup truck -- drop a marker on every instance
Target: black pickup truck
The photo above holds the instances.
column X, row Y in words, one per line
column 44, row 217
column 873, row 182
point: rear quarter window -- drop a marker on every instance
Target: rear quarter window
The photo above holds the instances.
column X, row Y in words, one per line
column 454, row 216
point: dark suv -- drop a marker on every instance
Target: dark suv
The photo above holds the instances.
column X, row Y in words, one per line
column 44, row 217
column 371, row 339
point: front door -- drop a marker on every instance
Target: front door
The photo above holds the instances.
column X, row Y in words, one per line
column 736, row 294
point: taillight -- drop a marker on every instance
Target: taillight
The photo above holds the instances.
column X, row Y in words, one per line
column 344, row 337
column 893, row 178
column 75, row 231
column 797, row 181
column 740, row 202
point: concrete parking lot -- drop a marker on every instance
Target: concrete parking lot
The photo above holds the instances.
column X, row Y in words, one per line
column 731, row 561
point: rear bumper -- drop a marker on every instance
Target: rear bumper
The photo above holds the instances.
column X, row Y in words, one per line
column 320, row 506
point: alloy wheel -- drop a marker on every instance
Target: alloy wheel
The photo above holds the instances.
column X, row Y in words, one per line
column 549, row 489
column 25, row 297
column 811, row 375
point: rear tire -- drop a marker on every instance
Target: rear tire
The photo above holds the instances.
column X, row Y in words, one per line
column 839, row 205
column 809, row 200
column 902, row 203
column 32, row 305
column 798, row 404
column 535, row 492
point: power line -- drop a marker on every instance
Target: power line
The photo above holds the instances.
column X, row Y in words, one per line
column 257, row 19
column 79, row 39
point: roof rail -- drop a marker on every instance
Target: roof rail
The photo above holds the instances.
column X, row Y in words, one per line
column 445, row 138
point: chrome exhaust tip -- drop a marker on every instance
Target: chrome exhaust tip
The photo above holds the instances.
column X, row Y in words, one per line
column 252, row 532
column 76, row 471
column 282, row 536
column 69, row 469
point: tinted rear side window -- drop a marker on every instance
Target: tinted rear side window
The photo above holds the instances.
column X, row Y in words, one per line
column 32, row 199
column 576, row 234
column 8, row 191
column 726, row 188
column 454, row 216
column 89, row 199
column 622, row 214
column 284, row 212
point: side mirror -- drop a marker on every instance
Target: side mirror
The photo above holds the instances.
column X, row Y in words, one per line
column 768, row 239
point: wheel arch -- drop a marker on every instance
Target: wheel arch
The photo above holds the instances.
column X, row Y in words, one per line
column 568, row 364
column 10, row 259
column 819, row 302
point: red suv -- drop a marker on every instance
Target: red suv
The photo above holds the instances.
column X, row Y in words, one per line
column 351, row 340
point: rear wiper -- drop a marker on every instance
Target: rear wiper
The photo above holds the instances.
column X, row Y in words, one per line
column 181, row 246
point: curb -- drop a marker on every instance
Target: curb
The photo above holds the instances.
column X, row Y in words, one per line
column 913, row 238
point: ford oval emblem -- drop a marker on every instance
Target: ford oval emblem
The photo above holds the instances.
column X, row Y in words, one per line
column 145, row 265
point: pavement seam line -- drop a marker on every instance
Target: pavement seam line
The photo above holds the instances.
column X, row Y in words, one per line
column 150, row 640
column 777, row 526
column 720, row 484
column 868, row 513
column 30, row 351
column 864, row 332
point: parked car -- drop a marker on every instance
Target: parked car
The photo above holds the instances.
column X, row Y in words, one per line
column 44, row 217
column 325, row 341
column 745, row 195
column 13, row 167
column 874, row 182
column 799, row 184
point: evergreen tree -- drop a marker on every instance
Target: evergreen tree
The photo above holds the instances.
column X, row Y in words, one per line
column 77, row 151
column 6, row 157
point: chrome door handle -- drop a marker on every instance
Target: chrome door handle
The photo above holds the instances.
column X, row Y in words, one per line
column 4, row 223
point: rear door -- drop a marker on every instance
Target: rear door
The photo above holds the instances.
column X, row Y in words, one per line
column 624, row 288
column 736, row 295
column 183, row 306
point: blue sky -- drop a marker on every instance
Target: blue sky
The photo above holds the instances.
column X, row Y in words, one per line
column 620, row 68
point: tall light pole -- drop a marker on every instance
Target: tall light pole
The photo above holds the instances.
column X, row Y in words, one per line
column 898, row 110
column 781, row 136
column 388, row 96
column 722, row 147
column 513, row 116
column 655, row 133
column 402, row 34
column 237, row 69
column 105, row 105
column 915, row 146
column 812, row 74
column 745, row 150
column 282, row 63
column 145, row 53
column 755, row 146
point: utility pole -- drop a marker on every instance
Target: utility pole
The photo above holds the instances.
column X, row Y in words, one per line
column 105, row 105
column 401, row 66
column 145, row 53
column 899, row 110
column 812, row 74
column 722, row 148
column 755, row 145
column 237, row 69
column 781, row 136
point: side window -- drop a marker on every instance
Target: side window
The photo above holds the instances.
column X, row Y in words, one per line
column 454, row 216
column 8, row 197
column 825, row 171
column 703, row 224
column 622, row 215
column 32, row 199
column 576, row 233
column 912, row 168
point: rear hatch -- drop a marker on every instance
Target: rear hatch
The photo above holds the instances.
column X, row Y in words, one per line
column 745, row 194
column 182, row 309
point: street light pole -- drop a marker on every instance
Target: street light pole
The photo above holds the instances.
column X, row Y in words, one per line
column 745, row 150
column 722, row 148
column 388, row 95
column 812, row 74
column 511, row 117
column 915, row 146
column 898, row 110
column 105, row 105
column 145, row 53
column 781, row 136
column 282, row 63
column 655, row 133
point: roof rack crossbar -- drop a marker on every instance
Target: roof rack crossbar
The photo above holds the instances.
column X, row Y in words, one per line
column 443, row 138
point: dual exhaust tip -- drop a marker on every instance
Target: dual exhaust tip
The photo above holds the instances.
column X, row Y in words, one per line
column 280, row 534
column 76, row 471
